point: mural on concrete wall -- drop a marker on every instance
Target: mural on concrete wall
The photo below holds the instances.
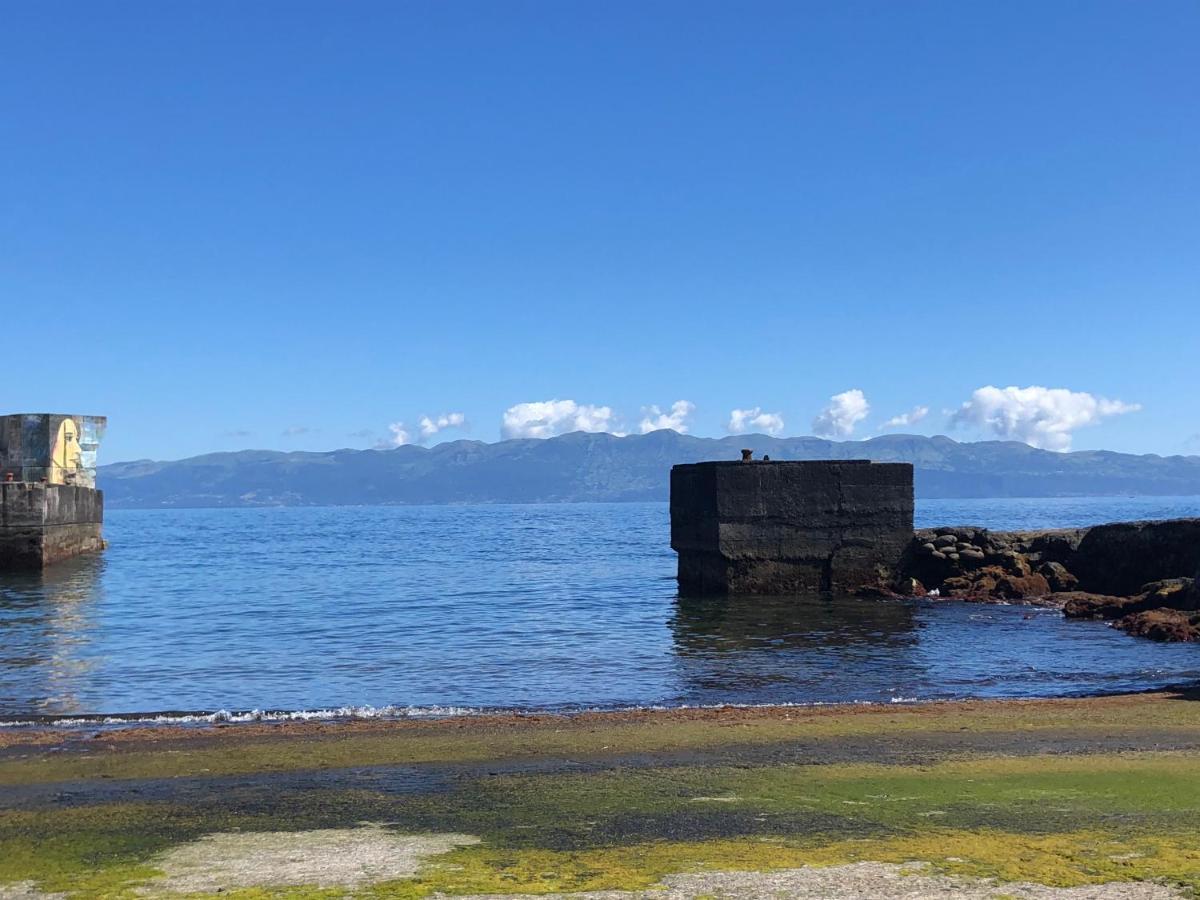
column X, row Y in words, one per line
column 50, row 447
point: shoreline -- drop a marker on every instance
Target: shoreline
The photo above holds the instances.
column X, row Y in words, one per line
column 133, row 727
column 190, row 720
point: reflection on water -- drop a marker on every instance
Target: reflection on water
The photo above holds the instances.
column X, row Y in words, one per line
column 794, row 649
column 734, row 624
column 46, row 619
column 550, row 606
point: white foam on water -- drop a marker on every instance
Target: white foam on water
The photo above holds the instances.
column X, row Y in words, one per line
column 349, row 713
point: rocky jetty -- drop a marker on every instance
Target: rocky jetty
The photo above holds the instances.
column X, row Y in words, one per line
column 1142, row 576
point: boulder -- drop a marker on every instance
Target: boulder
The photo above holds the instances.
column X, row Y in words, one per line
column 995, row 583
column 1171, row 593
column 1162, row 625
column 1121, row 557
column 1082, row 605
column 1021, row 587
column 1058, row 577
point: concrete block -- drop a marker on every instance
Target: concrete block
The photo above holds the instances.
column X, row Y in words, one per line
column 41, row 524
column 789, row 527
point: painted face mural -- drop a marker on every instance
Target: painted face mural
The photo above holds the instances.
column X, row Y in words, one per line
column 66, row 456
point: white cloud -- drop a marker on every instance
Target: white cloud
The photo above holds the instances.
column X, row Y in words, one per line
column 743, row 420
column 904, row 420
column 430, row 427
column 1041, row 417
column 845, row 410
column 655, row 419
column 546, row 418
column 400, row 436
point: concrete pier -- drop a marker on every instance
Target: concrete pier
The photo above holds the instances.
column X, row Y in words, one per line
column 759, row 527
column 41, row 524
column 50, row 509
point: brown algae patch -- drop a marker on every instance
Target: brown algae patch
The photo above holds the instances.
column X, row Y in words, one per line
column 327, row 857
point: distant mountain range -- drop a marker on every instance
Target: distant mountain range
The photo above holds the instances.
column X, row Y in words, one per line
column 601, row 467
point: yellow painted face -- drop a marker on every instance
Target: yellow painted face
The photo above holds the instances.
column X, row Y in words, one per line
column 66, row 455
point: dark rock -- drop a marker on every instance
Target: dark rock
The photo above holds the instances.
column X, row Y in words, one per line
column 995, row 583
column 910, row 587
column 1058, row 577
column 1083, row 605
column 1013, row 562
column 945, row 540
column 1055, row 546
column 1162, row 625
column 1020, row 587
column 1120, row 558
column 1172, row 593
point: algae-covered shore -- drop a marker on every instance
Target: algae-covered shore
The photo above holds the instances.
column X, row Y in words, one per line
column 1071, row 798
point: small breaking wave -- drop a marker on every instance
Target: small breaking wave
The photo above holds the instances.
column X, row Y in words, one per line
column 239, row 717
column 352, row 713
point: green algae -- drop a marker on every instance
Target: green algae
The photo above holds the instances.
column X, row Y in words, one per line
column 559, row 737
column 1061, row 820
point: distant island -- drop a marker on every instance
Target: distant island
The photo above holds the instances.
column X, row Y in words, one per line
column 604, row 468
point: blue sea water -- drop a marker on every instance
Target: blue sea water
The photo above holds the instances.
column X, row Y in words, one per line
column 547, row 606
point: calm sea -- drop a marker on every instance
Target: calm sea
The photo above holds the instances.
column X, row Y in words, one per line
column 423, row 609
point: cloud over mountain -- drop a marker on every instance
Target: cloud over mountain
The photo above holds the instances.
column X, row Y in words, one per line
column 906, row 420
column 845, row 410
column 1041, row 417
column 655, row 419
column 431, row 426
column 547, row 418
column 744, row 420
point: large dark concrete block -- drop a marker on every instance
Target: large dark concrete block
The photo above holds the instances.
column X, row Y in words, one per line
column 41, row 524
column 789, row 527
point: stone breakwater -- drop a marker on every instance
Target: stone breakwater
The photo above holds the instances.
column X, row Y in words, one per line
column 1143, row 576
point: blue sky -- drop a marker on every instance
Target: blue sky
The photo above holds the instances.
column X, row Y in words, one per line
column 292, row 225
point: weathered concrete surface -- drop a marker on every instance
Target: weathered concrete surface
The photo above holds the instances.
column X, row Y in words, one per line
column 789, row 527
column 41, row 524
